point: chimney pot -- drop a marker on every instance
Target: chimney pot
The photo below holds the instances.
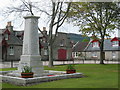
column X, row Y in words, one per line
column 9, row 23
column 44, row 28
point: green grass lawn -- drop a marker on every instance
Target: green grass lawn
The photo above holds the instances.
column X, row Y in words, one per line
column 7, row 69
column 97, row 76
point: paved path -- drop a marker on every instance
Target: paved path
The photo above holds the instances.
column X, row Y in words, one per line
column 45, row 63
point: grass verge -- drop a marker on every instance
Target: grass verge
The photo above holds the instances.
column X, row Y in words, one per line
column 98, row 76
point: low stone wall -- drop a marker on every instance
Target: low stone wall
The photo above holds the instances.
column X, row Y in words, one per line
column 28, row 81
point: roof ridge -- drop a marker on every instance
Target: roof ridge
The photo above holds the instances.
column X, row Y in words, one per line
column 87, row 45
column 75, row 44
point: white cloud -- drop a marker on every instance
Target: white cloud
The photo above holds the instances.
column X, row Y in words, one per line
column 4, row 3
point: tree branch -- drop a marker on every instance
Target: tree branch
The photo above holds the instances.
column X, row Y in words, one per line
column 42, row 10
column 66, row 14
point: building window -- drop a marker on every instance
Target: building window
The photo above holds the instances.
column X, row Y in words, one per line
column 62, row 42
column 16, row 33
column 113, row 54
column 45, row 52
column 11, row 50
column 76, row 54
column 94, row 55
column 20, row 38
column 6, row 36
column 115, row 43
column 95, row 44
column 73, row 54
column 43, row 40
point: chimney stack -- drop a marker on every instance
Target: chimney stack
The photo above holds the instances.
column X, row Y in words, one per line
column 118, row 33
column 44, row 30
column 9, row 23
column 9, row 27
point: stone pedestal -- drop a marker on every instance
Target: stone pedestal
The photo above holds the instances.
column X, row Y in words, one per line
column 30, row 54
column 118, row 33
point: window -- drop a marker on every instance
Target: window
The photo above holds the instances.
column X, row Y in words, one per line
column 11, row 48
column 94, row 55
column 45, row 52
column 95, row 44
column 73, row 54
column 16, row 33
column 6, row 36
column 43, row 40
column 20, row 38
column 76, row 54
column 113, row 54
column 115, row 43
column 61, row 42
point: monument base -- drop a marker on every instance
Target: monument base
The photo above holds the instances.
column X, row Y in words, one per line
column 56, row 75
column 31, row 61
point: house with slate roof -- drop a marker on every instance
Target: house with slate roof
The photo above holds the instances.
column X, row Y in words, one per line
column 10, row 44
column 111, row 49
column 78, row 50
column 43, row 44
column 91, row 50
column 62, row 46
column 77, row 37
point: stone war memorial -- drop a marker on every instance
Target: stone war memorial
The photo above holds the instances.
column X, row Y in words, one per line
column 30, row 57
column 30, row 54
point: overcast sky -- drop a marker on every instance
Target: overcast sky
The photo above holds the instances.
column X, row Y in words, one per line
column 19, row 23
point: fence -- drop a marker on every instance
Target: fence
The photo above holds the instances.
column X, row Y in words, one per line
column 45, row 63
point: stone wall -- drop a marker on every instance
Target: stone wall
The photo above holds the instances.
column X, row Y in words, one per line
column 108, row 55
column 62, row 42
column 17, row 53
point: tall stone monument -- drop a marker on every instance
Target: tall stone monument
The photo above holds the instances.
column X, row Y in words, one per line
column 30, row 54
column 118, row 33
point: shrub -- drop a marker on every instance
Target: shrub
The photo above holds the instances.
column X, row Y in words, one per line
column 27, row 69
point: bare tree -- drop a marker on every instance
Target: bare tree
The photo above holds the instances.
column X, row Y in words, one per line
column 57, row 19
column 58, row 14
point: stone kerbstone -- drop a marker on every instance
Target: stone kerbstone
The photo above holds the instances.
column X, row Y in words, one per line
column 62, row 76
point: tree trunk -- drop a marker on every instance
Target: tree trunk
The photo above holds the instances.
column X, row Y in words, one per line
column 102, row 52
column 50, row 56
column 50, row 47
column 101, row 57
